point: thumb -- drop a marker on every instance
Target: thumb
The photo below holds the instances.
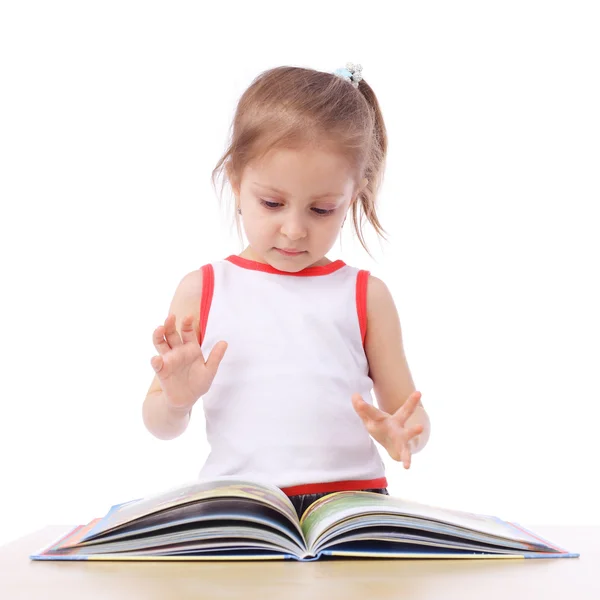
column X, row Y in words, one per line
column 366, row 411
column 215, row 357
column 157, row 363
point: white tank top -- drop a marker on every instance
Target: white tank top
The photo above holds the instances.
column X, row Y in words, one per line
column 279, row 409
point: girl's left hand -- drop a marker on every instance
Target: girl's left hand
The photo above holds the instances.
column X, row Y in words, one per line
column 390, row 430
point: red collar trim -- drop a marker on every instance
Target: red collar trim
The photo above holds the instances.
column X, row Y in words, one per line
column 254, row 265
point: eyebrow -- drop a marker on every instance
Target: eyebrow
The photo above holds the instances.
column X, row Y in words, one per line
column 317, row 197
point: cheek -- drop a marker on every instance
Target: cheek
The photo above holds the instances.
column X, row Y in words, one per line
column 334, row 223
column 259, row 227
column 326, row 234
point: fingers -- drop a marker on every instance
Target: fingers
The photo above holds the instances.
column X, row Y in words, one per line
column 406, row 452
column 171, row 334
column 414, row 431
column 157, row 363
column 188, row 335
column 158, row 339
column 366, row 411
column 408, row 408
column 215, row 357
column 405, row 456
column 166, row 337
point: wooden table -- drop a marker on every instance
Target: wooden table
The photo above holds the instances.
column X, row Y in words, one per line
column 579, row 578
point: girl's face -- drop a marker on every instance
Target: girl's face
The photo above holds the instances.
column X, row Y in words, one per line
column 294, row 200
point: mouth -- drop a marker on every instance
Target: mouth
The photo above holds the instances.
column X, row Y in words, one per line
column 290, row 252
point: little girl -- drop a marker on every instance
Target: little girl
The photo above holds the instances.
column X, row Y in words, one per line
column 295, row 341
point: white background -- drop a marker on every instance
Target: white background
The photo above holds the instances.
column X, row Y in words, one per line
column 113, row 115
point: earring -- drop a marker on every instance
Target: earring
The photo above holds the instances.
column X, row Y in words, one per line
column 239, row 210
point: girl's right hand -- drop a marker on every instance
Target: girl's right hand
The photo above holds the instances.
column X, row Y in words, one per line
column 183, row 373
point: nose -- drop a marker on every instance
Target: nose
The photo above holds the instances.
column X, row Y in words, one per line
column 293, row 228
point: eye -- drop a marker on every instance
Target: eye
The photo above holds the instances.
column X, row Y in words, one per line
column 323, row 212
column 269, row 204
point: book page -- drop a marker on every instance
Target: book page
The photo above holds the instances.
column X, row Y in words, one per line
column 333, row 509
column 194, row 492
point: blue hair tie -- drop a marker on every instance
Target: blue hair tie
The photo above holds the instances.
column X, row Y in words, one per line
column 351, row 73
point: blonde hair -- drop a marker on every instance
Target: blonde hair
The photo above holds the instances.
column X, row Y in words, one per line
column 292, row 107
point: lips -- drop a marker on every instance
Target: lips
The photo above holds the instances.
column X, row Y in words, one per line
column 290, row 252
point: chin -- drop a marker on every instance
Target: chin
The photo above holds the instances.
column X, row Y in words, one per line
column 290, row 267
column 290, row 264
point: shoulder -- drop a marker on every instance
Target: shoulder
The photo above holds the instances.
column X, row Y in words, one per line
column 190, row 285
column 371, row 292
column 376, row 288
column 374, row 303
column 378, row 294
column 380, row 306
column 187, row 297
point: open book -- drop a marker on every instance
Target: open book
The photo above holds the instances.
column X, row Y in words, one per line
column 232, row 519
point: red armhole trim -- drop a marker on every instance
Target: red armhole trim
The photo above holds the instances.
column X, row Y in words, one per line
column 208, row 286
column 361, row 302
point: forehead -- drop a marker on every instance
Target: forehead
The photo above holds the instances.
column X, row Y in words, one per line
column 314, row 170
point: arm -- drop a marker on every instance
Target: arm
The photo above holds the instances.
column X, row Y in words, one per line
column 392, row 380
column 161, row 421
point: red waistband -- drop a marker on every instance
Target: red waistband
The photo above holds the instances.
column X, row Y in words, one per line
column 335, row 486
